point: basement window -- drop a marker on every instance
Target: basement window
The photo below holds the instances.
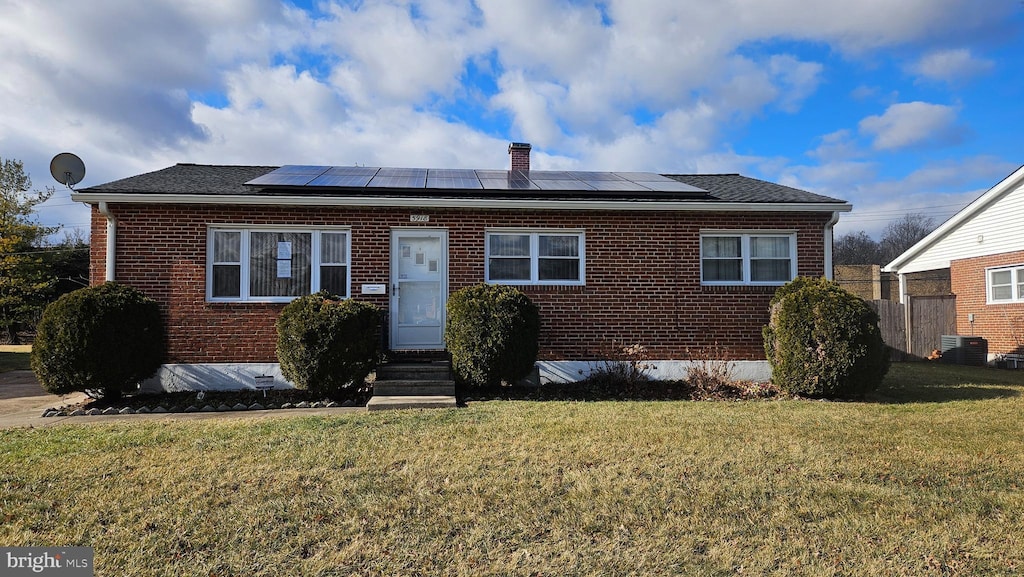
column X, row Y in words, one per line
column 529, row 257
column 275, row 265
column 1005, row 285
column 754, row 258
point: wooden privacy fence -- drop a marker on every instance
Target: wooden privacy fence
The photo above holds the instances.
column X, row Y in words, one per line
column 929, row 318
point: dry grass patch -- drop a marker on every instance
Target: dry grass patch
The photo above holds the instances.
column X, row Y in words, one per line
column 528, row 488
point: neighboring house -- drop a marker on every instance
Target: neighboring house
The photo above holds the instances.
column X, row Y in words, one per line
column 983, row 248
column 681, row 264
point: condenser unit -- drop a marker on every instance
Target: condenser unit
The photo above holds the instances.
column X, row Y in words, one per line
column 964, row 350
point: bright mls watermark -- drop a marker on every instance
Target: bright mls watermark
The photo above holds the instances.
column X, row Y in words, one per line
column 50, row 561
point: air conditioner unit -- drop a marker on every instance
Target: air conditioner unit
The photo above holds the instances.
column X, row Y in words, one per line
column 964, row 350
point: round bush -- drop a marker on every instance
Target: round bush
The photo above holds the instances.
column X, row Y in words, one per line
column 103, row 339
column 823, row 341
column 492, row 334
column 326, row 345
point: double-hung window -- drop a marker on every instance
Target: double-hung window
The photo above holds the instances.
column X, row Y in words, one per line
column 748, row 258
column 276, row 264
column 526, row 257
column 1005, row 285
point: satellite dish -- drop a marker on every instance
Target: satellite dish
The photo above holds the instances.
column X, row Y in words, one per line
column 67, row 169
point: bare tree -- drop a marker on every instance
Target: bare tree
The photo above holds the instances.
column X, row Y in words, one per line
column 903, row 234
column 855, row 248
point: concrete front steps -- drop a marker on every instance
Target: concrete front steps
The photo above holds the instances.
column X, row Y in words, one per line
column 413, row 385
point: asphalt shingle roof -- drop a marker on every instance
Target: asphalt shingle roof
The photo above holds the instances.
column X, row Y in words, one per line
column 229, row 180
column 738, row 188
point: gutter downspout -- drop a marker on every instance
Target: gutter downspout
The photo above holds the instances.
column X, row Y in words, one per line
column 829, row 234
column 111, row 239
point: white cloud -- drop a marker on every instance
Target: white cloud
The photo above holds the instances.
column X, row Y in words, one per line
column 531, row 103
column 912, row 124
column 798, row 79
column 639, row 84
column 938, row 190
column 836, row 146
column 396, row 55
column 950, row 65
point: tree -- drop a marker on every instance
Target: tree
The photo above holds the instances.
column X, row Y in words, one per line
column 25, row 281
column 68, row 261
column 903, row 234
column 899, row 235
column 855, row 248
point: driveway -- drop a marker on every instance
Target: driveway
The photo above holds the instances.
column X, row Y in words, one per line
column 22, row 400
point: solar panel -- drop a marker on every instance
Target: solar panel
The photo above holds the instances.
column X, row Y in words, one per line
column 641, row 176
column 493, row 174
column 590, row 176
column 453, row 182
column 350, row 180
column 301, row 169
column 277, row 179
column 296, row 175
column 623, row 185
column 398, row 181
column 415, row 172
column 565, row 184
column 550, row 175
column 508, row 184
column 353, row 170
column 451, row 173
column 672, row 186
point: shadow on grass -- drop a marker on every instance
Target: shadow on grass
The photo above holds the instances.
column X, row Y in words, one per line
column 929, row 382
column 593, row 390
column 13, row 361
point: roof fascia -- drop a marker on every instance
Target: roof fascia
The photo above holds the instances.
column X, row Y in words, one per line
column 993, row 194
column 247, row 200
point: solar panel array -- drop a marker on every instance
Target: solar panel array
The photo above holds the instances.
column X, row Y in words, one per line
column 302, row 176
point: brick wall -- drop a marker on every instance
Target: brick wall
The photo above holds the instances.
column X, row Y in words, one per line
column 1001, row 324
column 642, row 271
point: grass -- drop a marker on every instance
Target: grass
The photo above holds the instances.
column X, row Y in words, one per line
column 14, row 357
column 924, row 480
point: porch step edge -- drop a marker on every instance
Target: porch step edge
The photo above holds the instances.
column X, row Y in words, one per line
column 385, row 403
column 413, row 389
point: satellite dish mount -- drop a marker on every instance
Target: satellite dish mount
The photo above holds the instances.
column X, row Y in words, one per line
column 67, row 169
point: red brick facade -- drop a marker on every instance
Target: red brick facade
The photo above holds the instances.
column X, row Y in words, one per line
column 1001, row 324
column 642, row 275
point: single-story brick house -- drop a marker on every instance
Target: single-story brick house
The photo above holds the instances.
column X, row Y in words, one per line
column 677, row 263
column 983, row 248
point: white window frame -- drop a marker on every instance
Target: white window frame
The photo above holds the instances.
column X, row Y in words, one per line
column 246, row 232
column 745, row 254
column 535, row 234
column 1016, row 281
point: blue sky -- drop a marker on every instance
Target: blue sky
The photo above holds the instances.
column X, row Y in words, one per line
column 898, row 107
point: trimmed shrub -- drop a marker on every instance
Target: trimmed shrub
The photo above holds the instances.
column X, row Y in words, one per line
column 103, row 340
column 823, row 341
column 326, row 345
column 492, row 334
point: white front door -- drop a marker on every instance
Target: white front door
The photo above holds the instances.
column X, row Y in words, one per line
column 419, row 287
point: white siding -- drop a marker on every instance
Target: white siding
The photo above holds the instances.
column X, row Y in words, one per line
column 995, row 229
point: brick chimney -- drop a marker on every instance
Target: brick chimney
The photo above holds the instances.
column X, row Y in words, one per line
column 519, row 152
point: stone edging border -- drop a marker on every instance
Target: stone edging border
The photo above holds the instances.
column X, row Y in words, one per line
column 160, row 409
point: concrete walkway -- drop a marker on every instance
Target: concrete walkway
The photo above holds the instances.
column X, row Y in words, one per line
column 22, row 402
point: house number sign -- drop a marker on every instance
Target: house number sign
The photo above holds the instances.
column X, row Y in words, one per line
column 419, row 218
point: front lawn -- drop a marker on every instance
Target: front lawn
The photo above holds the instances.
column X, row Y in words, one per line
column 925, row 479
